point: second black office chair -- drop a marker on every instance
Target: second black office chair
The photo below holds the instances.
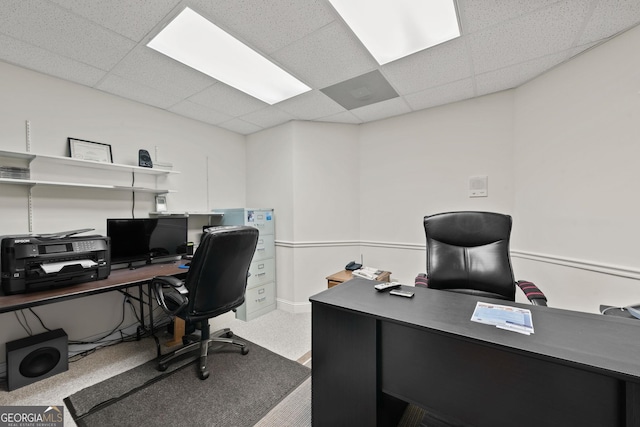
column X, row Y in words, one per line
column 468, row 252
column 215, row 284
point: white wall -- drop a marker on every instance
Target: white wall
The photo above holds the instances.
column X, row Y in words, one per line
column 56, row 110
column 419, row 164
column 308, row 172
column 576, row 162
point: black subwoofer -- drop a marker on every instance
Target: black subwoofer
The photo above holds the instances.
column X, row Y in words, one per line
column 35, row 358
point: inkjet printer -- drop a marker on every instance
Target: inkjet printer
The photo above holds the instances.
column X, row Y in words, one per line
column 36, row 262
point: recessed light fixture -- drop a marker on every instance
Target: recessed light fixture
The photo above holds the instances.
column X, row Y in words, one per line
column 393, row 29
column 200, row 44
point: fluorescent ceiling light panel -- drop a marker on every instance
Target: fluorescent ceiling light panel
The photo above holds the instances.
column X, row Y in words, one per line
column 392, row 29
column 199, row 44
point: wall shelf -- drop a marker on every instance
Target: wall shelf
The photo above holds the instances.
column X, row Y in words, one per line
column 34, row 182
column 31, row 159
column 187, row 214
column 85, row 163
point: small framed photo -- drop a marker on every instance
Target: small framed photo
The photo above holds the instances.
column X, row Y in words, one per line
column 88, row 150
column 161, row 203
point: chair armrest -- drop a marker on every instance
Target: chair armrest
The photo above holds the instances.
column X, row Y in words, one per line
column 532, row 292
column 422, row 280
column 170, row 293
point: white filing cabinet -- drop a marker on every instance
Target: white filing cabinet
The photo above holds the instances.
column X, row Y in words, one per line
column 261, row 286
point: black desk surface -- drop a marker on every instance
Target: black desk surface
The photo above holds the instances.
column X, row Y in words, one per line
column 118, row 279
column 599, row 342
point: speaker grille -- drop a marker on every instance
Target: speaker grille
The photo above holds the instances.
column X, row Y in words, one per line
column 39, row 362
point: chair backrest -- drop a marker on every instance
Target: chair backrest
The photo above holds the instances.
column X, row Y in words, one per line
column 470, row 251
column 217, row 277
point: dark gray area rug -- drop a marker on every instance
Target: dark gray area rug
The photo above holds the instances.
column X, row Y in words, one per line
column 239, row 391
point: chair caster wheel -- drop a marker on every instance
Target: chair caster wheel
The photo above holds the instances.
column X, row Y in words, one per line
column 244, row 351
column 162, row 367
column 204, row 375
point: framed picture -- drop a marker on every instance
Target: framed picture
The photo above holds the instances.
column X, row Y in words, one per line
column 88, row 150
column 161, row 203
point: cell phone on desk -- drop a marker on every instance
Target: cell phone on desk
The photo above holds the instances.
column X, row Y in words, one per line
column 401, row 293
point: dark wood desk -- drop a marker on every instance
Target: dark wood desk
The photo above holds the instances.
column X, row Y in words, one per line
column 373, row 351
column 118, row 280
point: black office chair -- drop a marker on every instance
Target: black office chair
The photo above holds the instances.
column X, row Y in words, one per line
column 468, row 252
column 215, row 284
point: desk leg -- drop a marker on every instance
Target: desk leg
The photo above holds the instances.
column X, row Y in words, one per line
column 633, row 404
column 344, row 377
column 178, row 332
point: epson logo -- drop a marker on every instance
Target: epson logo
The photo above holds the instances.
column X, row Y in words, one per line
column 22, row 241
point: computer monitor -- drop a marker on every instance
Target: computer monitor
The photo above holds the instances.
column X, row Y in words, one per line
column 146, row 239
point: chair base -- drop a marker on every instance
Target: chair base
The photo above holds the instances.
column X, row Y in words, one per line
column 202, row 343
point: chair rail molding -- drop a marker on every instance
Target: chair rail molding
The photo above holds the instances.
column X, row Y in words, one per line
column 603, row 268
column 610, row 269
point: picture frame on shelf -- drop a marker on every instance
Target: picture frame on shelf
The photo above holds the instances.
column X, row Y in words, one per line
column 161, row 203
column 89, row 150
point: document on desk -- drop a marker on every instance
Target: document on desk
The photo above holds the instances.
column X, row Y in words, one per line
column 54, row 267
column 504, row 317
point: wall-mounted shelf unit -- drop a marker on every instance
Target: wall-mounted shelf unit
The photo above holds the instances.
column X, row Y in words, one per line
column 187, row 213
column 30, row 157
column 85, row 163
column 33, row 182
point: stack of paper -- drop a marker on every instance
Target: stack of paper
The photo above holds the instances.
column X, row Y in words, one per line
column 504, row 317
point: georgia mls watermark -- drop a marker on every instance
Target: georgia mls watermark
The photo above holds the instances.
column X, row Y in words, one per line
column 31, row 416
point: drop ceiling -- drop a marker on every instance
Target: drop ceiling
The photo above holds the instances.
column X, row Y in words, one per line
column 102, row 44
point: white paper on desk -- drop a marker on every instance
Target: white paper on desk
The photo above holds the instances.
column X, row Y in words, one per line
column 504, row 316
column 54, row 267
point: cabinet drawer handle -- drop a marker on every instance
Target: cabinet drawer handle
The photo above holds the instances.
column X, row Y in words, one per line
column 260, row 266
column 261, row 291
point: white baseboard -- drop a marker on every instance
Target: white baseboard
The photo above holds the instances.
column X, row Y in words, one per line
column 293, row 307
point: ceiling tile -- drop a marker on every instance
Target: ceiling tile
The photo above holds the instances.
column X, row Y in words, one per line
column 225, row 98
column 344, row 117
column 441, row 95
column 610, row 17
column 240, row 126
column 538, row 34
column 310, row 106
column 35, row 58
column 50, row 27
column 515, row 75
column 155, row 70
column 330, row 55
column 137, row 92
column 476, row 15
column 267, row 25
column 198, row 112
column 268, row 117
column 381, row 110
column 361, row 90
column 132, row 19
column 444, row 63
